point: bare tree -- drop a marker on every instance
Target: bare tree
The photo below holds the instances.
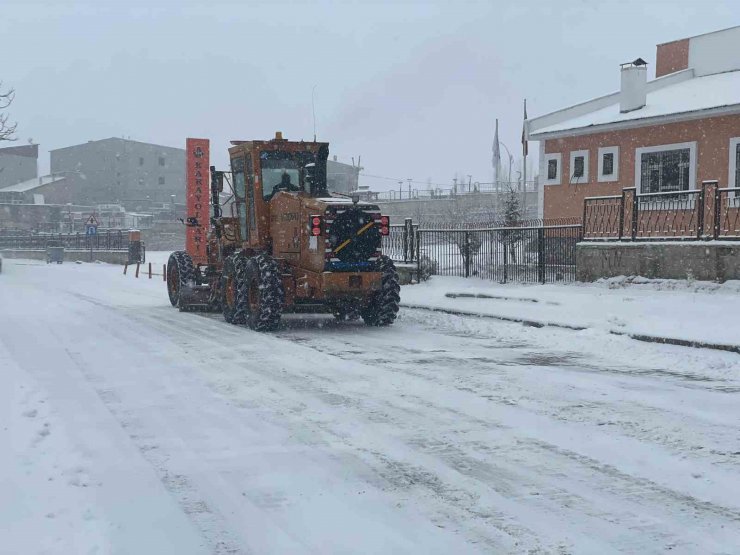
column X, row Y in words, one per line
column 7, row 130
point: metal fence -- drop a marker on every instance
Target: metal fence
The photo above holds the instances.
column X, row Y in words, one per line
column 400, row 243
column 110, row 240
column 707, row 213
column 522, row 254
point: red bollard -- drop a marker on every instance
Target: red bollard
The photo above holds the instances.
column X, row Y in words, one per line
column 150, row 270
column 164, row 272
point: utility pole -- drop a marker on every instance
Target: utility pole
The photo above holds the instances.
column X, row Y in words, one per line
column 400, row 190
column 409, row 180
column 470, row 179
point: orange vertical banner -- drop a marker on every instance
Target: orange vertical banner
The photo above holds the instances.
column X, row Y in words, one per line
column 197, row 198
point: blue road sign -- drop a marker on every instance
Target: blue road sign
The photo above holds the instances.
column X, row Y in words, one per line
column 91, row 229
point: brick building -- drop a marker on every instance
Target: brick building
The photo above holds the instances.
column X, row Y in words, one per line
column 664, row 135
column 126, row 172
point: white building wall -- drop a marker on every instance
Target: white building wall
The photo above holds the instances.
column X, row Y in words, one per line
column 715, row 52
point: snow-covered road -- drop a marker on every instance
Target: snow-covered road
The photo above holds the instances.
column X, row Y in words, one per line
column 134, row 428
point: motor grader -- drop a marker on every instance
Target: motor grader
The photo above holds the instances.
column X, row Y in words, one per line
column 288, row 245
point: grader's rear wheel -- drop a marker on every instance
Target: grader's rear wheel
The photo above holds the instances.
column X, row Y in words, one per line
column 382, row 307
column 260, row 290
column 180, row 273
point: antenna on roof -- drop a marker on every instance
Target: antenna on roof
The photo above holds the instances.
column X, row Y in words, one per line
column 313, row 111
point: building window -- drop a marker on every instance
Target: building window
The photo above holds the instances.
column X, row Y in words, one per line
column 161, row 160
column 551, row 168
column 579, row 166
column 733, row 179
column 161, row 180
column 609, row 163
column 666, row 168
column 141, row 160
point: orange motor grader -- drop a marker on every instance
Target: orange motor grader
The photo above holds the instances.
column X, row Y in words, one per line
column 288, row 245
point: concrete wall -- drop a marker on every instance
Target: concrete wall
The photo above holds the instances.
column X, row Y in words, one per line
column 710, row 261
column 462, row 207
column 164, row 236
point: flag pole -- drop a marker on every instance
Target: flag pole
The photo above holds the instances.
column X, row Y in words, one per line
column 524, row 151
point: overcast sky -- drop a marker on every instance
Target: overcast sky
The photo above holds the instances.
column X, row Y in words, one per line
column 412, row 87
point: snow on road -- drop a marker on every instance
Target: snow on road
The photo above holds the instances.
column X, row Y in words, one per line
column 134, row 428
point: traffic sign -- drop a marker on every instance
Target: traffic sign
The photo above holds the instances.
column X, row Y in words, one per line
column 91, row 229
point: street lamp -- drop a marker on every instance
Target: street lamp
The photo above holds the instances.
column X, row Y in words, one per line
column 511, row 158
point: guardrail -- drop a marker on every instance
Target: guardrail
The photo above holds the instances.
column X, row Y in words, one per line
column 708, row 213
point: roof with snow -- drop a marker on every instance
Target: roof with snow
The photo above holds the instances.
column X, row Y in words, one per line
column 692, row 96
column 28, row 151
column 30, row 184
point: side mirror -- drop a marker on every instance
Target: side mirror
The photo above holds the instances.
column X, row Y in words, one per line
column 217, row 180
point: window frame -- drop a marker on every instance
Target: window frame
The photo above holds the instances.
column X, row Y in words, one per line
column 160, row 180
column 614, row 176
column 665, row 148
column 732, row 168
column 572, row 180
column 559, row 159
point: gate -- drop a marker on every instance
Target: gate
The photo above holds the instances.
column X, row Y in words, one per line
column 523, row 254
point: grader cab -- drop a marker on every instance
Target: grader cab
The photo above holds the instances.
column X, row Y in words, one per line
column 288, row 245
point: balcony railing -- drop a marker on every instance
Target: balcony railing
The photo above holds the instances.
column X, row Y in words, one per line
column 707, row 213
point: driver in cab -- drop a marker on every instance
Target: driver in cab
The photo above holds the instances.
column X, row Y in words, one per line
column 285, row 184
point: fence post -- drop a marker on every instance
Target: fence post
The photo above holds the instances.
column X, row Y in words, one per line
column 700, row 215
column 407, row 240
column 635, row 205
column 418, row 256
column 717, row 206
column 541, row 254
column 467, row 253
column 410, row 233
column 506, row 261
column 621, row 215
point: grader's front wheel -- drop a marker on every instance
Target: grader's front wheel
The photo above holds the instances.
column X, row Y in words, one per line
column 180, row 274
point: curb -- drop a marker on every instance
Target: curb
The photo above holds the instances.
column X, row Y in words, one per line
column 539, row 324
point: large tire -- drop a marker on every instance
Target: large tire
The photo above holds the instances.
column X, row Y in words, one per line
column 260, row 291
column 180, row 273
column 232, row 306
column 382, row 307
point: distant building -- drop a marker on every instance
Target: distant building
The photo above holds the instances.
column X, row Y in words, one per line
column 18, row 163
column 665, row 135
column 341, row 178
column 39, row 190
column 126, row 172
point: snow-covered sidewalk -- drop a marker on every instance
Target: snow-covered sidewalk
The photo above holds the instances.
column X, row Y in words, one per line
column 700, row 312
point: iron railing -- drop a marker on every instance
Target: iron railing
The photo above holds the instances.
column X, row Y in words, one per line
column 524, row 254
column 706, row 213
column 399, row 244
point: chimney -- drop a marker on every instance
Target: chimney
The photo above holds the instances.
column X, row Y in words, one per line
column 633, row 92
